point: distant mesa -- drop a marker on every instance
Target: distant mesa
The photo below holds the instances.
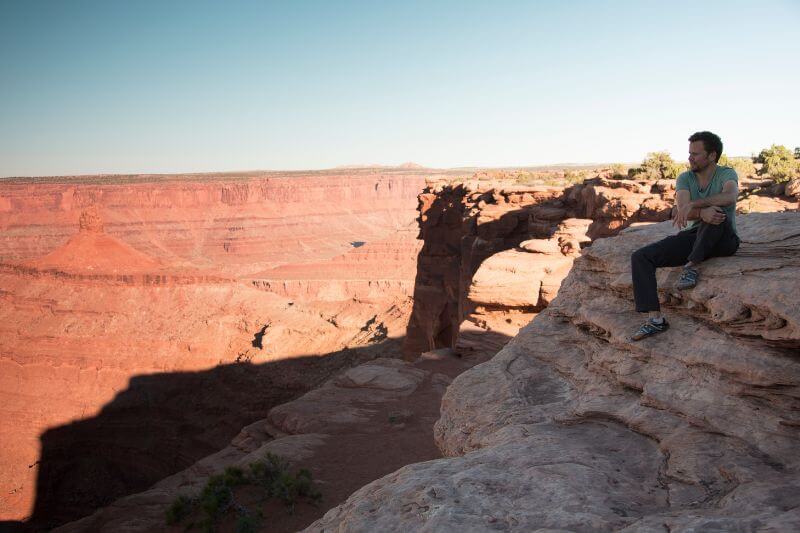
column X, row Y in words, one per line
column 91, row 250
column 408, row 165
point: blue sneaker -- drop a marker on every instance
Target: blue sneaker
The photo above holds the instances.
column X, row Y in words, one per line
column 650, row 328
column 688, row 279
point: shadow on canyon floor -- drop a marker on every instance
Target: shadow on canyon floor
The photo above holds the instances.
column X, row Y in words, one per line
column 163, row 423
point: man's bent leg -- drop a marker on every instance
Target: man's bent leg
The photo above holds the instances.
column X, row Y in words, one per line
column 713, row 240
column 669, row 252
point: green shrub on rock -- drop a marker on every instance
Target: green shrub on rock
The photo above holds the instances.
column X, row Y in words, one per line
column 778, row 162
column 217, row 499
column 657, row 166
column 180, row 509
column 742, row 165
column 618, row 171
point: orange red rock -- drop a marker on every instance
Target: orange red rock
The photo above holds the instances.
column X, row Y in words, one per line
column 102, row 281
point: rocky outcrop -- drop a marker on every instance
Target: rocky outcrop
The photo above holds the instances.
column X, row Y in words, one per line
column 574, row 427
column 474, row 266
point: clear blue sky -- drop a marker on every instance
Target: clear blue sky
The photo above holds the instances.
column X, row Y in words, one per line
column 171, row 86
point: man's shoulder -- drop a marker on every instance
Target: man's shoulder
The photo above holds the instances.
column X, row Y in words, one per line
column 684, row 178
column 727, row 173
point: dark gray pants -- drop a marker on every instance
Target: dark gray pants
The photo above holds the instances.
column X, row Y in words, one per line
column 696, row 244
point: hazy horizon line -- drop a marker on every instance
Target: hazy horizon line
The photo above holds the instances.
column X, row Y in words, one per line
column 407, row 166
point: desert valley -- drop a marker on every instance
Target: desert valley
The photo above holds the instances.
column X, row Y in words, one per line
column 440, row 349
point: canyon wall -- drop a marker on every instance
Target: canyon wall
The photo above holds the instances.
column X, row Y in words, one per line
column 104, row 284
column 236, row 225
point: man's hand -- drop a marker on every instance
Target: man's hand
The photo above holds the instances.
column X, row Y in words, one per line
column 680, row 214
column 712, row 215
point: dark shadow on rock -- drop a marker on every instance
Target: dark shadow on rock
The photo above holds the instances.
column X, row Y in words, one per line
column 163, row 423
column 258, row 337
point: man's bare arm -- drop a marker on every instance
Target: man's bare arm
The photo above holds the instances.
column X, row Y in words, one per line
column 730, row 191
column 682, row 208
column 706, row 209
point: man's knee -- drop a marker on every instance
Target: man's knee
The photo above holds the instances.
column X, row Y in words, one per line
column 642, row 255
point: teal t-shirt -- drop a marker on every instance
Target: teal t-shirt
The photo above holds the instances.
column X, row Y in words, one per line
column 688, row 182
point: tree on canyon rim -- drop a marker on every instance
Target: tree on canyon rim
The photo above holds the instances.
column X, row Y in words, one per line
column 778, row 162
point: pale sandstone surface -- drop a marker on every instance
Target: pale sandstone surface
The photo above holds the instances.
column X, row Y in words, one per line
column 574, row 427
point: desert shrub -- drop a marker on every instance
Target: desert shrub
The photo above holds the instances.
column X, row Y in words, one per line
column 778, row 162
column 180, row 509
column 575, row 176
column 797, row 152
column 742, row 165
column 272, row 474
column 248, row 523
column 216, row 497
column 619, row 171
column 657, row 166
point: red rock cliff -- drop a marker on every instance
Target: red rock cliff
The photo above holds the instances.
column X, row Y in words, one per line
column 237, row 224
column 466, row 225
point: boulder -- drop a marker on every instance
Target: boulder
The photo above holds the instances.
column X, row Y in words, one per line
column 793, row 188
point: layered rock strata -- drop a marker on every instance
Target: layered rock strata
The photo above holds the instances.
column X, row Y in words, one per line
column 574, row 427
column 147, row 286
column 238, row 224
column 369, row 272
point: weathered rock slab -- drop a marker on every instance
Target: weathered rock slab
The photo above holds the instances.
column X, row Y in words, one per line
column 572, row 426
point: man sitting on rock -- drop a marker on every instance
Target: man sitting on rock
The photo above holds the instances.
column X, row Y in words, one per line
column 705, row 204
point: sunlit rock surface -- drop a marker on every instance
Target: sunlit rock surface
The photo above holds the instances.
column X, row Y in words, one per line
column 574, row 427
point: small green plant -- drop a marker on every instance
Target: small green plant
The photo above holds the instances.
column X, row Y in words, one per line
column 217, row 499
column 778, row 162
column 180, row 509
column 573, row 176
column 657, row 166
column 742, row 165
column 619, row 171
column 247, row 522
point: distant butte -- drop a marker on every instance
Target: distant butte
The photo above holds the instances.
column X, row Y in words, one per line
column 93, row 250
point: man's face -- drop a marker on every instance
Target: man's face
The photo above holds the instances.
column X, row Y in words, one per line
column 699, row 159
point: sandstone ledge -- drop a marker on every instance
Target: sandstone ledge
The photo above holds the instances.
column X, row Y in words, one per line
column 573, row 427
